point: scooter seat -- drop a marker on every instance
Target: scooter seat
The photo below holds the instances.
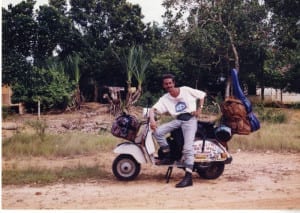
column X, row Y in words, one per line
column 206, row 124
column 206, row 129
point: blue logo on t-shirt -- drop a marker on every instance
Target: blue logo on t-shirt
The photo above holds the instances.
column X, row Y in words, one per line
column 180, row 106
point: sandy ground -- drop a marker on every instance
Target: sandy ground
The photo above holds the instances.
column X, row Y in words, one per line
column 251, row 181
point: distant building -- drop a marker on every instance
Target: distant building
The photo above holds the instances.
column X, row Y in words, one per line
column 271, row 94
column 6, row 99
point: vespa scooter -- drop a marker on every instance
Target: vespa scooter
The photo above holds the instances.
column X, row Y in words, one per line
column 210, row 145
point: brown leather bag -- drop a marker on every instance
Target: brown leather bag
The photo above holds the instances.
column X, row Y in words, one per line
column 235, row 116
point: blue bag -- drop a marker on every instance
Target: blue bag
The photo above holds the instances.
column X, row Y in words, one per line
column 238, row 93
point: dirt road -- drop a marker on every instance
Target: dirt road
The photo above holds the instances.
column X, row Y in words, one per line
column 252, row 181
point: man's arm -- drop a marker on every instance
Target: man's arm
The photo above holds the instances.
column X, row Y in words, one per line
column 201, row 103
column 199, row 109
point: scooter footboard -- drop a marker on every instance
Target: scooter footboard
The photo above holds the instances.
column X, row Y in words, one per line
column 131, row 149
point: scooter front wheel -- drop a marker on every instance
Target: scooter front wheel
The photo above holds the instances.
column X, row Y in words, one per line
column 125, row 167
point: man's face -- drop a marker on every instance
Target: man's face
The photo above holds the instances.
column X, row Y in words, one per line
column 168, row 84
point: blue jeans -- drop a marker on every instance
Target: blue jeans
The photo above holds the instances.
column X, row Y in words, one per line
column 189, row 129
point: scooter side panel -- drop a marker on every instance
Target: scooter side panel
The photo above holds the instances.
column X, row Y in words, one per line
column 211, row 152
column 131, row 149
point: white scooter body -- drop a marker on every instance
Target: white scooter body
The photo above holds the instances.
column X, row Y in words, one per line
column 132, row 149
column 142, row 154
column 133, row 153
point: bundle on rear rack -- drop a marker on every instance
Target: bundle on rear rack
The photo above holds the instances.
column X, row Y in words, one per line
column 125, row 126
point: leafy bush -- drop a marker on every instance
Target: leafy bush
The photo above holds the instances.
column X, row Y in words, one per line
column 147, row 99
column 295, row 105
column 40, row 128
column 50, row 86
column 272, row 115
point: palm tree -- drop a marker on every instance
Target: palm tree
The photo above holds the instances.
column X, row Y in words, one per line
column 72, row 66
column 135, row 63
column 139, row 72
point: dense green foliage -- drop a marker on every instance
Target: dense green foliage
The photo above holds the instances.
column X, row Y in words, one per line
column 49, row 86
column 59, row 53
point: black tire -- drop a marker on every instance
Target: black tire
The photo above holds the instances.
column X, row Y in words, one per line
column 125, row 167
column 213, row 171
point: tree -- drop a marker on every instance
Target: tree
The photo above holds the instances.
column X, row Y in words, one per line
column 286, row 43
column 53, row 29
column 19, row 35
column 30, row 40
column 139, row 72
column 72, row 69
column 135, row 63
column 106, row 27
column 48, row 85
column 215, row 33
column 60, row 5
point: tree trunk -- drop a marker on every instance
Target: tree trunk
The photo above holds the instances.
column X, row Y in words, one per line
column 262, row 78
column 96, row 92
column 236, row 56
column 76, row 99
column 251, row 88
column 132, row 97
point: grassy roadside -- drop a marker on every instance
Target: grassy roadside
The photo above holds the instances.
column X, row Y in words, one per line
column 70, row 144
column 33, row 175
column 280, row 132
column 23, row 146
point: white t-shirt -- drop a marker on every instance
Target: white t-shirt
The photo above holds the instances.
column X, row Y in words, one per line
column 184, row 102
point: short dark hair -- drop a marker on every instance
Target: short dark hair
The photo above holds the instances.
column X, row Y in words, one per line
column 169, row 75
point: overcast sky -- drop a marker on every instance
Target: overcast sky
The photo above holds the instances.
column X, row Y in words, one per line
column 151, row 9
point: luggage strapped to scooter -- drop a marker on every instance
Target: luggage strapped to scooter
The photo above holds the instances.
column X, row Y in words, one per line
column 125, row 126
column 237, row 110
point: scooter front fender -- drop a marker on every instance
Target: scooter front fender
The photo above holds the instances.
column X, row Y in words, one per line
column 132, row 149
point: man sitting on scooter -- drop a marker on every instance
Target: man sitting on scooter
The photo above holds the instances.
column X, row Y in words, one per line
column 180, row 103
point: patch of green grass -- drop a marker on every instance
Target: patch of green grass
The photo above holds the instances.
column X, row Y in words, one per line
column 271, row 115
column 47, row 176
column 275, row 137
column 24, row 144
column 280, row 131
column 295, row 105
column 39, row 127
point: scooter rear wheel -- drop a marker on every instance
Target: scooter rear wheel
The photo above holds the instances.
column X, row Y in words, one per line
column 125, row 167
column 213, row 171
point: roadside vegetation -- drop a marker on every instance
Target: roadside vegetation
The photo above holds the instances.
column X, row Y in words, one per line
column 24, row 145
column 58, row 56
column 33, row 175
column 70, row 144
column 279, row 133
